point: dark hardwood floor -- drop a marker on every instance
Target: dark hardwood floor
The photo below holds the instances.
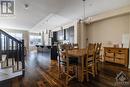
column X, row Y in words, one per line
column 41, row 71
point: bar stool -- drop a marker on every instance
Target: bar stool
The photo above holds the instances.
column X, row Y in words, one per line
column 42, row 48
column 37, row 48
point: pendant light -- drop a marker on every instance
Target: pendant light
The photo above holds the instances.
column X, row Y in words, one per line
column 85, row 19
column 84, row 9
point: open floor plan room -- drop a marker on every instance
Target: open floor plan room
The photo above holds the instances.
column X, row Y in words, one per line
column 64, row 43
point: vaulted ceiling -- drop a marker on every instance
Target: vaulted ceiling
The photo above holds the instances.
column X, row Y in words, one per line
column 49, row 13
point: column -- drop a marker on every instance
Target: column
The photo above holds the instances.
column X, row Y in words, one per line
column 82, row 34
column 26, row 40
column 129, row 42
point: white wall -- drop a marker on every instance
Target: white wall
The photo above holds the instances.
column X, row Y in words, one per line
column 47, row 40
column 129, row 41
column 108, row 30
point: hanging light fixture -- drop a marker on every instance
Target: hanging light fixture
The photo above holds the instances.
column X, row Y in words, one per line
column 26, row 6
column 87, row 19
column 84, row 9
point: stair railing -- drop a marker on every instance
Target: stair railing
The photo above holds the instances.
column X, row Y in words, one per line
column 14, row 51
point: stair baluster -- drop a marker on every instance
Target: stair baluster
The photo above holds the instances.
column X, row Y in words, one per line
column 0, row 47
column 14, row 51
column 22, row 57
column 7, row 50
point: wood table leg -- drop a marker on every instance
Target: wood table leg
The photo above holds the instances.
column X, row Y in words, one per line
column 82, row 69
column 87, row 78
column 79, row 70
column 67, row 71
column 59, row 67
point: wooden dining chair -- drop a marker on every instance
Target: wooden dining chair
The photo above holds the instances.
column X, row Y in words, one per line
column 90, row 61
column 71, row 67
column 97, row 57
column 75, row 46
column 69, row 64
column 63, row 61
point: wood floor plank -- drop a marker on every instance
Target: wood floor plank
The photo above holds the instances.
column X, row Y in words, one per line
column 41, row 71
column 41, row 84
column 15, row 82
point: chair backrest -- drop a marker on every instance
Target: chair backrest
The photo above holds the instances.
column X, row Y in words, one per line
column 91, row 52
column 98, row 49
column 66, row 46
column 59, row 48
column 75, row 46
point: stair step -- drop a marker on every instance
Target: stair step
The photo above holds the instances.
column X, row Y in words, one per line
column 11, row 65
column 7, row 73
column 4, row 63
column 15, row 67
column 4, row 57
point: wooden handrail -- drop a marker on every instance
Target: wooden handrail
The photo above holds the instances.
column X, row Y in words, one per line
column 6, row 34
column 15, row 47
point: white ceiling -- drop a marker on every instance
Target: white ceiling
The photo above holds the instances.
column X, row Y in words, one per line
column 51, row 21
column 44, row 13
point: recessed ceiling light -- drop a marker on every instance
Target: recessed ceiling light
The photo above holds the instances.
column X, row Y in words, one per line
column 26, row 6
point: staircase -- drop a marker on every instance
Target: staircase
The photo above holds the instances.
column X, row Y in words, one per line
column 11, row 56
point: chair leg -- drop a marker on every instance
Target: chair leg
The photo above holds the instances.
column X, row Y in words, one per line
column 77, row 70
column 67, row 71
column 66, row 83
column 93, row 70
column 59, row 67
column 87, row 76
column 96, row 68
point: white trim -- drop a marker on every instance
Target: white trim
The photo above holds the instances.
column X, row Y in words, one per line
column 111, row 13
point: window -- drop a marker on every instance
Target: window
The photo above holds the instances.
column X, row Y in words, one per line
column 18, row 36
column 35, row 40
column 2, row 40
column 6, row 44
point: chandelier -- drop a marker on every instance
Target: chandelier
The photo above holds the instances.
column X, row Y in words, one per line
column 85, row 19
